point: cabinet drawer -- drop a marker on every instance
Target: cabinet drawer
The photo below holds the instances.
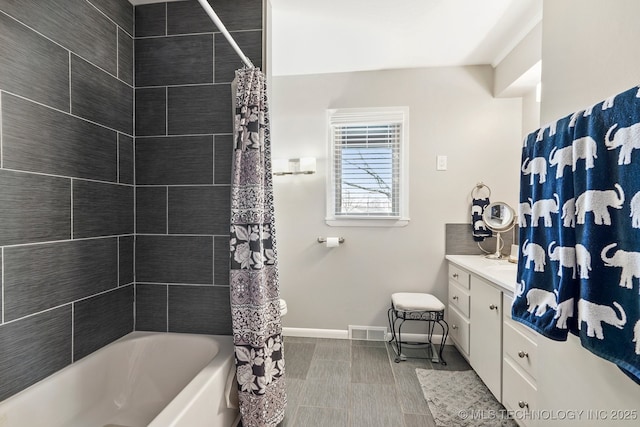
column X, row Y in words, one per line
column 459, row 298
column 519, row 394
column 459, row 329
column 520, row 348
column 459, row 275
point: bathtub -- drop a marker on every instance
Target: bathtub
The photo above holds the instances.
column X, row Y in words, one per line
column 143, row 379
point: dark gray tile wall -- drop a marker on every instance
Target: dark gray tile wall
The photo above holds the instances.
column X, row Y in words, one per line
column 199, row 309
column 34, row 348
column 459, row 241
column 101, row 209
column 183, row 151
column 102, row 319
column 178, row 160
column 38, row 139
column 33, row 66
column 151, row 307
column 174, row 259
column 100, row 97
column 39, row 277
column 66, row 179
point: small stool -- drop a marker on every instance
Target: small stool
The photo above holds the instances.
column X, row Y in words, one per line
column 417, row 306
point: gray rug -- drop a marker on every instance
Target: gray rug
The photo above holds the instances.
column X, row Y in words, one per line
column 460, row 398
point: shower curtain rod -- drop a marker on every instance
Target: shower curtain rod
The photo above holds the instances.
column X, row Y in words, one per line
column 214, row 17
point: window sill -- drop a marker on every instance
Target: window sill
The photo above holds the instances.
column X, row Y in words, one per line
column 367, row 222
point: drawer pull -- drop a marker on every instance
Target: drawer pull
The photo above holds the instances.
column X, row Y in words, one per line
column 455, row 297
column 523, row 354
column 493, row 307
column 455, row 275
column 454, row 326
column 523, row 404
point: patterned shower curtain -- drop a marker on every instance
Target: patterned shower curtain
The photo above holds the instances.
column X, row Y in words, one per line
column 255, row 302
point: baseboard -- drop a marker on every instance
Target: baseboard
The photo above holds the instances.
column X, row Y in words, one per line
column 344, row 335
column 316, row 333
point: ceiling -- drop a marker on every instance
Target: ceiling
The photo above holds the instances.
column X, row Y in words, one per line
column 332, row 36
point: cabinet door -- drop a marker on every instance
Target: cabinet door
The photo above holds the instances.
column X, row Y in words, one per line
column 486, row 334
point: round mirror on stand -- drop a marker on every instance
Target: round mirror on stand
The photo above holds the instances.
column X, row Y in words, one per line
column 498, row 217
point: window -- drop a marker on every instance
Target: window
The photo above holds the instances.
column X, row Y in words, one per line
column 368, row 178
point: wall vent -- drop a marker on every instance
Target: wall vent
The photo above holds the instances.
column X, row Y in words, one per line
column 367, row 333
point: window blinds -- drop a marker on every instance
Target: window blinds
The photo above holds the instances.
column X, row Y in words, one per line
column 366, row 158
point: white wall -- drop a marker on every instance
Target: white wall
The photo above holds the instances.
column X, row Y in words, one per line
column 452, row 112
column 520, row 61
column 589, row 52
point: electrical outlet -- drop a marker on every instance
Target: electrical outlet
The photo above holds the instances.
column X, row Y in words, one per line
column 441, row 163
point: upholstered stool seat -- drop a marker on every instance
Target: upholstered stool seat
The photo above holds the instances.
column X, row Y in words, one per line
column 416, row 306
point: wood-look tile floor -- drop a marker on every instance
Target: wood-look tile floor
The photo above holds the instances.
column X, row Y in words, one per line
column 342, row 383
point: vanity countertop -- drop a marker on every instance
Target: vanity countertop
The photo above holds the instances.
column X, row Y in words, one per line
column 499, row 271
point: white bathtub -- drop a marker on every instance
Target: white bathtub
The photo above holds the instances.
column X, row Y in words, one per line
column 143, row 379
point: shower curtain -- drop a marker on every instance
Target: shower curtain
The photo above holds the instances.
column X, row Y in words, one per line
column 255, row 302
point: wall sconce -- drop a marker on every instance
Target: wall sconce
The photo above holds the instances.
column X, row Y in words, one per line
column 303, row 165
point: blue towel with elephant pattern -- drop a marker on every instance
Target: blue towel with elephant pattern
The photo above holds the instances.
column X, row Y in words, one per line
column 579, row 217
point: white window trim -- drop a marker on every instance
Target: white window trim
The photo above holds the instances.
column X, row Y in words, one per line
column 372, row 115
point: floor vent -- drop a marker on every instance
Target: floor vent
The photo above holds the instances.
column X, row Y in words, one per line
column 367, row 333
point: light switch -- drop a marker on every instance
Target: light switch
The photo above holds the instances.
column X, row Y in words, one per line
column 441, row 163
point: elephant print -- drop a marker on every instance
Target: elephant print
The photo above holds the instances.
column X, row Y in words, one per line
column 583, row 260
column 563, row 313
column 523, row 209
column 552, row 130
column 566, row 255
column 479, row 225
column 608, row 103
column 543, row 209
column 574, row 119
column 535, row 166
column 595, row 314
column 636, row 330
column 599, row 202
column 581, row 148
column 628, row 261
column 476, row 210
column 535, row 253
column 635, row 210
column 627, row 139
column 569, row 213
column 538, row 300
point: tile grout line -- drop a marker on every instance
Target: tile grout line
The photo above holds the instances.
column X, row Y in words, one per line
column 3, row 302
column 143, row 137
column 117, row 53
column 71, row 209
column 76, row 178
column 73, row 324
column 77, row 239
column 118, row 158
column 166, row 110
column 167, row 309
column 70, row 103
column 65, row 304
column 213, row 260
column 65, row 112
column 204, row 33
column 167, row 210
column 1, row 145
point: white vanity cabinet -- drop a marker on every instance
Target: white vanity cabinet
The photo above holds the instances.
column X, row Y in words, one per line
column 458, row 313
column 485, row 349
column 503, row 352
column 519, row 367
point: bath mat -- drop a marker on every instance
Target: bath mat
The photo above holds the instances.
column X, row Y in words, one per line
column 460, row 398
